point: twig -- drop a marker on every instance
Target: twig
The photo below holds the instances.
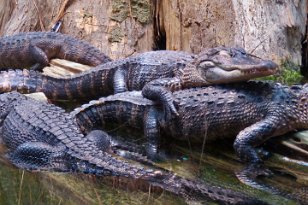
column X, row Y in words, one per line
column 203, row 143
column 130, row 9
column 253, row 50
column 61, row 12
column 98, row 198
column 149, row 196
column 39, row 16
column 20, row 187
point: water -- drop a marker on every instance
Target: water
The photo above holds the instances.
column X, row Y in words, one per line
column 217, row 166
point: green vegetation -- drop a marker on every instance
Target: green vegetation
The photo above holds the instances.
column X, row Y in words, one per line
column 289, row 73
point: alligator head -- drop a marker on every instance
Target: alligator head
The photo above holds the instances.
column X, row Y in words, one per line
column 224, row 65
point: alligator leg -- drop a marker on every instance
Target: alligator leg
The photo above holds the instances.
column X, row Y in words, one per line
column 252, row 136
column 152, row 133
column 32, row 155
column 119, row 83
column 101, row 139
column 160, row 90
column 107, row 143
column 40, row 57
column 245, row 144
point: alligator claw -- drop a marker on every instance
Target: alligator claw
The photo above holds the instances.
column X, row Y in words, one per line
column 156, row 156
column 256, row 170
column 170, row 110
column 250, row 173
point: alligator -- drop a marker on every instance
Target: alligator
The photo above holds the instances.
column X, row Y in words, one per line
column 251, row 111
column 172, row 69
column 41, row 136
column 36, row 49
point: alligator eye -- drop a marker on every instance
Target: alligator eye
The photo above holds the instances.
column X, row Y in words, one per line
column 206, row 64
column 242, row 51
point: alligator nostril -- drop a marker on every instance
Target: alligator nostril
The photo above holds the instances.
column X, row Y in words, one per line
column 271, row 65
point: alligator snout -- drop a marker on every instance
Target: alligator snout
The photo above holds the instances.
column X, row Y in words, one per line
column 269, row 65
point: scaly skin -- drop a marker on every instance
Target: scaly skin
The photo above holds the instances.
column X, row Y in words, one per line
column 172, row 69
column 41, row 136
column 35, row 49
column 251, row 111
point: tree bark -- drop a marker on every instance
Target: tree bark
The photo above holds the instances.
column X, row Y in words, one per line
column 120, row 28
column 267, row 28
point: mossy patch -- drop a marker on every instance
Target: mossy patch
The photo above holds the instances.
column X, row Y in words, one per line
column 290, row 73
column 141, row 10
column 115, row 34
column 120, row 10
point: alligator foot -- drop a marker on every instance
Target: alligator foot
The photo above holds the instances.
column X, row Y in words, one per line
column 37, row 67
column 154, row 154
column 252, row 171
column 109, row 144
column 249, row 176
column 139, row 153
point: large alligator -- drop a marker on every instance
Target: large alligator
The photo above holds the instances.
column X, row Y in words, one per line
column 170, row 69
column 41, row 136
column 35, row 49
column 251, row 111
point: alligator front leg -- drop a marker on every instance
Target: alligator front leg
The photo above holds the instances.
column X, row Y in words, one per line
column 253, row 136
column 245, row 144
column 40, row 57
column 160, row 90
column 152, row 133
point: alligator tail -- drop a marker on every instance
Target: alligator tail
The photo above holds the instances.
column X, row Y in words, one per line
column 111, row 109
column 24, row 81
column 188, row 189
column 81, row 86
column 202, row 191
column 83, row 53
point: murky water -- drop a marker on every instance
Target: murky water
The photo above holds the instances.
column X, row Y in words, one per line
column 216, row 165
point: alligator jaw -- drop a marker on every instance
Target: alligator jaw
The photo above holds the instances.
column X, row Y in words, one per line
column 235, row 73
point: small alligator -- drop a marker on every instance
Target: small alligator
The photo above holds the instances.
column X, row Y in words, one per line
column 251, row 111
column 41, row 136
column 171, row 69
column 35, row 49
